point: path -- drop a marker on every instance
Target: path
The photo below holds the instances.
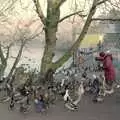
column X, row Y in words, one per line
column 109, row 110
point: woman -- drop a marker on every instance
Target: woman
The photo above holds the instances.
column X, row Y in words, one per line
column 108, row 67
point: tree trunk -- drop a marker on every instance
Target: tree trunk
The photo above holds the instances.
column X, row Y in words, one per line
column 52, row 19
column 3, row 63
column 16, row 61
column 49, row 50
column 2, row 70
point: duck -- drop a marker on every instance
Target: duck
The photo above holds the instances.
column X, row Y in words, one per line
column 80, row 92
column 68, row 101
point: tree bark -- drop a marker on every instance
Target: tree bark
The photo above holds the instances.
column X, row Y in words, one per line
column 50, row 23
column 3, row 62
column 2, row 70
column 48, row 50
column 52, row 19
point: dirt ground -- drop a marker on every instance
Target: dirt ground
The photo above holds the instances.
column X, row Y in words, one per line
column 108, row 110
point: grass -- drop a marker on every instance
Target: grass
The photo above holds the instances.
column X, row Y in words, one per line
column 91, row 40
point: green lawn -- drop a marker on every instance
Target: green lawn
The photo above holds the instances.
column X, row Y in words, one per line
column 91, row 40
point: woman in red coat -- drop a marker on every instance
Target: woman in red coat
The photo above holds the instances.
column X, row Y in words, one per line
column 109, row 70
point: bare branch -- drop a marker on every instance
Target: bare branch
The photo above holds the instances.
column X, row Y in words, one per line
column 8, row 50
column 10, row 6
column 7, row 5
column 12, row 57
column 101, row 2
column 75, row 13
column 16, row 60
column 106, row 19
column 39, row 11
column 7, row 54
column 33, row 36
column 66, row 56
column 59, row 3
column 116, row 5
column 2, row 57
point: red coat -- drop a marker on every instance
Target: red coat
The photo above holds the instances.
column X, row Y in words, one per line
column 108, row 66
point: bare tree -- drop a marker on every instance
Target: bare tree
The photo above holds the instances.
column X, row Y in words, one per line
column 5, row 8
column 4, row 57
column 51, row 22
column 110, row 6
column 24, row 38
column 20, row 36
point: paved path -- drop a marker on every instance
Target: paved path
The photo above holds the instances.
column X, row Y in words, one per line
column 109, row 110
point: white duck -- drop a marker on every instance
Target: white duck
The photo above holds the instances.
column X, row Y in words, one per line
column 67, row 96
column 62, row 83
column 79, row 93
column 68, row 101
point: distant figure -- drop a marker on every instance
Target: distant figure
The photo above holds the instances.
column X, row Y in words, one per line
column 108, row 67
column 40, row 104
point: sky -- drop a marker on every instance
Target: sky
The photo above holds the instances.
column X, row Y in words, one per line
column 24, row 9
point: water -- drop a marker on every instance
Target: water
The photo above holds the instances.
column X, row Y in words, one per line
column 32, row 57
